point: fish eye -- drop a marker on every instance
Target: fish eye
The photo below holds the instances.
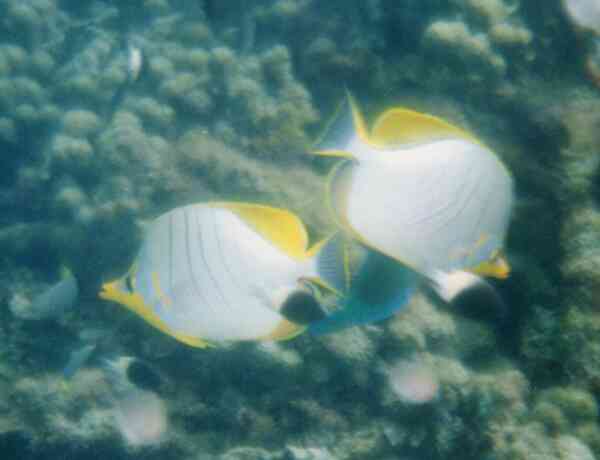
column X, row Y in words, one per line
column 302, row 308
column 129, row 283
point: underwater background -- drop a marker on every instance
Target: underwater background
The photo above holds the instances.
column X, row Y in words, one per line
column 228, row 99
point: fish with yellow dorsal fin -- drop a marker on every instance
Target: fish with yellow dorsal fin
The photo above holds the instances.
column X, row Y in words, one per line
column 218, row 272
column 421, row 191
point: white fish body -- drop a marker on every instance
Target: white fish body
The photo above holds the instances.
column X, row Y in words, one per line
column 218, row 272
column 135, row 61
column 420, row 191
column 443, row 205
column 585, row 14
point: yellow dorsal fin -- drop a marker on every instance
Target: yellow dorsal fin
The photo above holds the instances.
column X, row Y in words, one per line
column 346, row 124
column 358, row 120
column 281, row 227
column 134, row 302
column 401, row 126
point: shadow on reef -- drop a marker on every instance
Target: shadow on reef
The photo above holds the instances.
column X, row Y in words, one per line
column 17, row 445
column 532, row 292
column 537, row 287
column 596, row 186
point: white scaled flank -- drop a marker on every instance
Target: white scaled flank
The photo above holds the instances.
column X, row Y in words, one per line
column 584, row 13
column 443, row 205
column 217, row 275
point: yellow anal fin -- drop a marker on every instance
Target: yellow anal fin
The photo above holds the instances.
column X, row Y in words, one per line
column 134, row 302
column 285, row 330
column 332, row 153
column 279, row 226
column 399, row 126
column 496, row 267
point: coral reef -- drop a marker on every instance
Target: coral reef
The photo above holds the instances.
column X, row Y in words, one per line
column 225, row 106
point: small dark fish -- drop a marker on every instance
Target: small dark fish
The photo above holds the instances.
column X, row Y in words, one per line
column 143, row 375
column 77, row 360
column 58, row 299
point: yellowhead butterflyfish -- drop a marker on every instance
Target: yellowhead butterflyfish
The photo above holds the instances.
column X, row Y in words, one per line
column 217, row 272
column 421, row 192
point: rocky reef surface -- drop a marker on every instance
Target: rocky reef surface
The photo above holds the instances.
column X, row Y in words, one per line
column 226, row 103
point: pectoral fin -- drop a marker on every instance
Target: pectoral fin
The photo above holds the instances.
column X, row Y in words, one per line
column 286, row 330
column 333, row 264
column 359, row 313
column 380, row 288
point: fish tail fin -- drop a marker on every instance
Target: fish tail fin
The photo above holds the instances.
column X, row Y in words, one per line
column 367, row 303
column 344, row 130
column 339, row 320
column 323, row 273
column 464, row 289
column 355, row 312
column 331, row 264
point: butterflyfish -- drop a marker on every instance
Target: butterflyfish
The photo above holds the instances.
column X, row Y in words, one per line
column 419, row 190
column 427, row 201
column 218, row 272
column 77, row 359
column 372, row 287
column 60, row 298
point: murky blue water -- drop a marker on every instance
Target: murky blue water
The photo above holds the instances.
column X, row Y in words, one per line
column 113, row 113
